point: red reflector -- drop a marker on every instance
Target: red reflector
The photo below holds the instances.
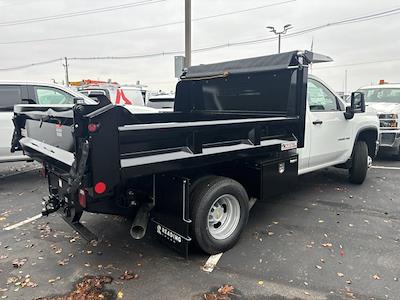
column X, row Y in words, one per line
column 92, row 127
column 82, row 198
column 100, row 187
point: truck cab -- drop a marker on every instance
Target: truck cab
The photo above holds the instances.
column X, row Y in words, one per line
column 330, row 135
column 385, row 99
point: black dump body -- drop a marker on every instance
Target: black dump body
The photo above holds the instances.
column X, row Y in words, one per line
column 227, row 117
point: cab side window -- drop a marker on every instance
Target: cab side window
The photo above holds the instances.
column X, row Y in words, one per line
column 320, row 98
column 49, row 95
column 9, row 96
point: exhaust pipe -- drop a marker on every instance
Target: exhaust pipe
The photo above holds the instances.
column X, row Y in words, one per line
column 139, row 225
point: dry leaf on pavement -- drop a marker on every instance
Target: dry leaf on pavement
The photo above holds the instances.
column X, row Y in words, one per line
column 128, row 275
column 19, row 262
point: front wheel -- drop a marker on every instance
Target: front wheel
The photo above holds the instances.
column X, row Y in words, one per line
column 219, row 213
column 360, row 162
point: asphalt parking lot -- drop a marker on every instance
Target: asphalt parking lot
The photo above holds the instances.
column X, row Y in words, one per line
column 327, row 239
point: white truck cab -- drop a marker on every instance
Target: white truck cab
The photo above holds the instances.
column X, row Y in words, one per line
column 385, row 99
column 334, row 138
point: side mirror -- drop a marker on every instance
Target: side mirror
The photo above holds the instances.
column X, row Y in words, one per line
column 358, row 102
column 357, row 105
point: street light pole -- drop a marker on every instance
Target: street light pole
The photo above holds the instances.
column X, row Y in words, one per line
column 280, row 33
column 188, row 33
column 279, row 43
column 66, row 71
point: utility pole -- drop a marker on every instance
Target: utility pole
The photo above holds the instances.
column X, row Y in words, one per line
column 188, row 33
column 66, row 71
column 280, row 33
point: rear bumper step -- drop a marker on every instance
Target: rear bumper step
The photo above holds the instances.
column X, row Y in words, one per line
column 70, row 215
column 80, row 228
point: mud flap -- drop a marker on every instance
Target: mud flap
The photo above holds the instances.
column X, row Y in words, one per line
column 170, row 216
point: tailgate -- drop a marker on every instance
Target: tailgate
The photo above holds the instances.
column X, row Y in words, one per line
column 46, row 133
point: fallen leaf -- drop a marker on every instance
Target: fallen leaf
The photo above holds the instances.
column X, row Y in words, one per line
column 19, row 262
column 128, row 275
column 226, row 289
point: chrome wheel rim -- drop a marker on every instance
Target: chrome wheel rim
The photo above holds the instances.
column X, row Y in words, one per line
column 223, row 217
column 369, row 161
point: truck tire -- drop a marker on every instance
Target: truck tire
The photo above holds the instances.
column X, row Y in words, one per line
column 359, row 165
column 219, row 213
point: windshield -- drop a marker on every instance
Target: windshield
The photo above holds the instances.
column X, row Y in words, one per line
column 391, row 95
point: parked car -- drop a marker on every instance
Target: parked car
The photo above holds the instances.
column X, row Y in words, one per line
column 233, row 137
column 161, row 101
column 385, row 98
column 12, row 93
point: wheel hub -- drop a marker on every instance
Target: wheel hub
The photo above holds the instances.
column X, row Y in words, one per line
column 223, row 216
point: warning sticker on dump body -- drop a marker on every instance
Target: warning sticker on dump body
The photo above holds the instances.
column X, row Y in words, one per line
column 288, row 145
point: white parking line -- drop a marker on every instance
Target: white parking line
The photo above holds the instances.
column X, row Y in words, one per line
column 211, row 263
column 385, row 168
column 23, row 222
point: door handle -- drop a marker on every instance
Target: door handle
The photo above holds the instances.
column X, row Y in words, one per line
column 317, row 122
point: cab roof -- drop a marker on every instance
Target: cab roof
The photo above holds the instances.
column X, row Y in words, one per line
column 382, row 86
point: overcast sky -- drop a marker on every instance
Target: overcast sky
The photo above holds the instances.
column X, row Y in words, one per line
column 368, row 41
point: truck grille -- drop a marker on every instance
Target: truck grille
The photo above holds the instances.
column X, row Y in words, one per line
column 388, row 121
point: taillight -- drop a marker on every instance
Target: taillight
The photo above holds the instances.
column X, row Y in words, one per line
column 100, row 187
column 82, row 198
column 92, row 127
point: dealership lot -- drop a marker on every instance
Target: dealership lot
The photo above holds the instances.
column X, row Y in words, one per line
column 326, row 239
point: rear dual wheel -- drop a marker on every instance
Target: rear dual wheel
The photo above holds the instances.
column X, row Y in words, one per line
column 219, row 213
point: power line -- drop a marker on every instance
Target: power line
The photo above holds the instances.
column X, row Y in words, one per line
column 75, row 36
column 78, row 13
column 32, row 64
column 358, row 64
column 239, row 43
